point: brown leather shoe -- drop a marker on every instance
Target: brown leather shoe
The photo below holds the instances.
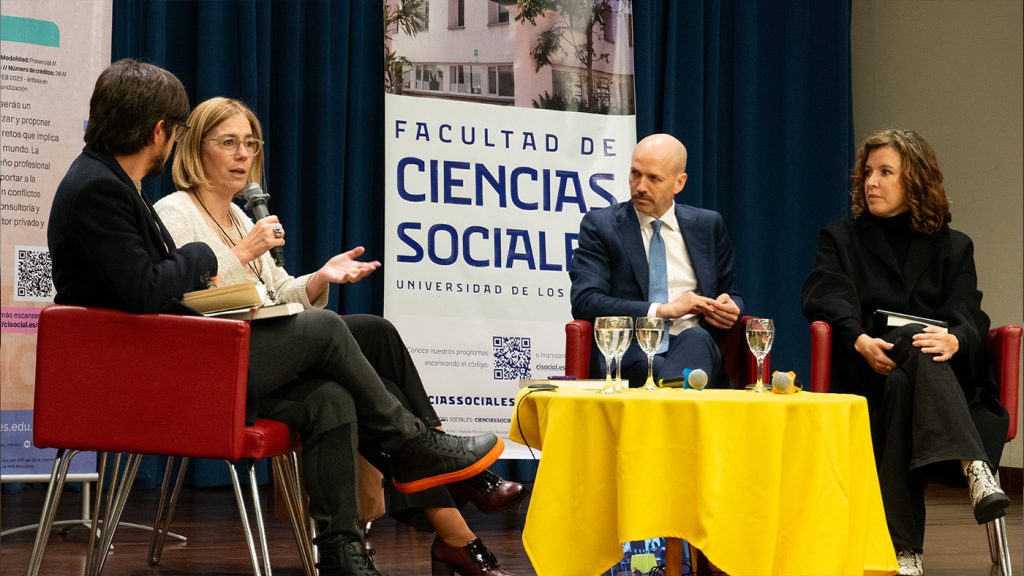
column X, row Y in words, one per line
column 489, row 492
column 474, row 559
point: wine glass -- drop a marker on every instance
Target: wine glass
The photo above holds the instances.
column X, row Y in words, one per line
column 625, row 338
column 760, row 334
column 649, row 334
column 608, row 332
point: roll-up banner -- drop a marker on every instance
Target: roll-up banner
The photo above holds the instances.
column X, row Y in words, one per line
column 51, row 52
column 505, row 122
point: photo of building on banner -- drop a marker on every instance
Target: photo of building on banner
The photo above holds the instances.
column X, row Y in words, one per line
column 505, row 123
column 51, row 53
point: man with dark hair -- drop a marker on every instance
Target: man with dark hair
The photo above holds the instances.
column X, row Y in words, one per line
column 110, row 250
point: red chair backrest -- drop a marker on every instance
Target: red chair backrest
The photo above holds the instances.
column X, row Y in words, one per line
column 145, row 384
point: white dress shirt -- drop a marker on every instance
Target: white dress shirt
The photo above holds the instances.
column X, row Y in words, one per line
column 681, row 277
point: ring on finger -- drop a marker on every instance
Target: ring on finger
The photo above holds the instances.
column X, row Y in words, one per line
column 278, row 232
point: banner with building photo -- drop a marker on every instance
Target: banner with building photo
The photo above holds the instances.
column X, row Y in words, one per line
column 51, row 52
column 505, row 122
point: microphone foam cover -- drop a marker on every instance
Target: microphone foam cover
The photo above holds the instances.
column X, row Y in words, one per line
column 697, row 379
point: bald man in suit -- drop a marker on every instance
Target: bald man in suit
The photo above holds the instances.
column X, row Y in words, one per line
column 611, row 275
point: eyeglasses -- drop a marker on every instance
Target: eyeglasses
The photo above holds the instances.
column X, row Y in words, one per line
column 231, row 144
column 181, row 131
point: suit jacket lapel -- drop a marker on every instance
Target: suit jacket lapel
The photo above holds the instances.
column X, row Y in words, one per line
column 874, row 240
column 698, row 246
column 627, row 227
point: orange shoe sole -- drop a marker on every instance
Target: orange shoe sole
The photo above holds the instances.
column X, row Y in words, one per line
column 442, row 479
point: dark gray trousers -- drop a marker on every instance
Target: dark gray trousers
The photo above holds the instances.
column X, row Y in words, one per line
column 313, row 375
column 387, row 353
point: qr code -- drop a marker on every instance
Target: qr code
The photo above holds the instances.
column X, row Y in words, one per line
column 511, row 357
column 33, row 281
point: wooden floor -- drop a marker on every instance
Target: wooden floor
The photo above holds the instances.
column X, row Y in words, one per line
column 954, row 544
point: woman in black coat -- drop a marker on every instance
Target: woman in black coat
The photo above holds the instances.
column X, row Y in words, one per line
column 930, row 389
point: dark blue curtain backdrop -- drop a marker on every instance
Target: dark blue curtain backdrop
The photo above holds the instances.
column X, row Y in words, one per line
column 758, row 90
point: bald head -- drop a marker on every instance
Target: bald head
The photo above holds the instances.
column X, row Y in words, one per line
column 657, row 173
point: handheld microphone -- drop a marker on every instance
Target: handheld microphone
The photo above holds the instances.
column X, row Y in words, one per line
column 256, row 201
column 696, row 379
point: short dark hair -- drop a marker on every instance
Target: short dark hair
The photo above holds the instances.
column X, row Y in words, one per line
column 130, row 97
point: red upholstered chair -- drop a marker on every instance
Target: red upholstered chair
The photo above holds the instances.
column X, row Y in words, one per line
column 1004, row 343
column 155, row 384
column 740, row 364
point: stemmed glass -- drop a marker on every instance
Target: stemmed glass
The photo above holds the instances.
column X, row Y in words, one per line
column 760, row 334
column 625, row 338
column 649, row 334
column 609, row 331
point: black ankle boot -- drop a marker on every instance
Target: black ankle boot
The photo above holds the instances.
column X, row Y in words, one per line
column 434, row 458
column 344, row 558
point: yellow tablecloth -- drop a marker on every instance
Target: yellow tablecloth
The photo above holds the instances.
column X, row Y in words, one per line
column 761, row 483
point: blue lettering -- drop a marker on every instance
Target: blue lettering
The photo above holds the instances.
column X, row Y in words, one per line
column 422, row 132
column 515, row 235
column 599, row 190
column 453, row 243
column 544, row 254
column 515, row 188
column 529, row 143
column 551, row 143
column 450, row 181
column 403, row 191
column 497, row 184
column 417, row 250
column 483, row 232
column 586, row 146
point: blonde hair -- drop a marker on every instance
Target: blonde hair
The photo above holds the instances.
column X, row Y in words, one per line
column 187, row 170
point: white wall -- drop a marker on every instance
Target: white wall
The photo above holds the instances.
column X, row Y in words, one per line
column 952, row 71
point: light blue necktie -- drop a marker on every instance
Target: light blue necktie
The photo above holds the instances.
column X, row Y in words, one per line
column 657, row 279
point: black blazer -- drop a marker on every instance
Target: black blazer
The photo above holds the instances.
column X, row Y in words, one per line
column 856, row 273
column 110, row 250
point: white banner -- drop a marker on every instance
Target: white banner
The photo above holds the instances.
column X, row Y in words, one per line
column 487, row 176
column 50, row 55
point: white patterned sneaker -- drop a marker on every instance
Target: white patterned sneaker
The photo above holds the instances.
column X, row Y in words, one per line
column 987, row 498
column 910, row 562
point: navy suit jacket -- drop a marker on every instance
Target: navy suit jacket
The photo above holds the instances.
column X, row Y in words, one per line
column 609, row 267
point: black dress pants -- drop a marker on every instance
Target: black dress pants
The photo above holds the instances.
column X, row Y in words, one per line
column 921, row 428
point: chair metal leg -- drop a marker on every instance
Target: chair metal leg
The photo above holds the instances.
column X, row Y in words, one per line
column 53, row 492
column 257, row 511
column 998, row 545
column 286, row 478
column 117, row 497
column 165, row 509
column 246, row 528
